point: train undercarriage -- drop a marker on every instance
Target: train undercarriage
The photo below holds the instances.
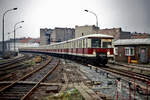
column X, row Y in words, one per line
column 88, row 60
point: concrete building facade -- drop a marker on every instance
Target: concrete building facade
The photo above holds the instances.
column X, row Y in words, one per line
column 45, row 36
column 62, row 34
column 85, row 30
column 117, row 33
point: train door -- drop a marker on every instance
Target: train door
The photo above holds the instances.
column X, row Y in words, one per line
column 143, row 56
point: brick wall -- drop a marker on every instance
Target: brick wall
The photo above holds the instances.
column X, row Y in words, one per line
column 140, row 35
column 113, row 32
column 121, row 55
column 117, row 33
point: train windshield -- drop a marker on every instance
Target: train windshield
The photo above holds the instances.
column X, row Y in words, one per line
column 107, row 45
column 96, row 42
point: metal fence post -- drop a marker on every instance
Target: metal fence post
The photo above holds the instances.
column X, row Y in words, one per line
column 134, row 90
column 129, row 90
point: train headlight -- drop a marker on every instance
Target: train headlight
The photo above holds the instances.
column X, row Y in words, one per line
column 94, row 53
column 108, row 52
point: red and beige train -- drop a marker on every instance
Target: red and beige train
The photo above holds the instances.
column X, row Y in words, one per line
column 94, row 48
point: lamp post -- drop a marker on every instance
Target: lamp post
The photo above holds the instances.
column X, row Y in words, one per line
column 9, row 41
column 15, row 33
column 95, row 16
column 4, row 26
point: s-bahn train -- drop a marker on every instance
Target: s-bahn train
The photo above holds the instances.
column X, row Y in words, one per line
column 94, row 48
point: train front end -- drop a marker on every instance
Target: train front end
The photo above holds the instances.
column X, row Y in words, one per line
column 101, row 49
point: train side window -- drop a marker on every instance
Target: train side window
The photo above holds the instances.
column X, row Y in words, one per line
column 83, row 43
column 71, row 44
column 89, row 43
column 96, row 43
column 86, row 42
column 77, row 43
column 74, row 44
column 80, row 44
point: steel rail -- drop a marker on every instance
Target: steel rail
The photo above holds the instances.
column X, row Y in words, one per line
column 12, row 60
column 125, row 73
column 5, row 64
column 26, row 75
column 30, row 92
column 146, row 77
column 132, row 72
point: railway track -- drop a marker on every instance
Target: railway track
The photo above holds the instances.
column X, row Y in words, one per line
column 132, row 74
column 4, row 65
column 74, row 79
column 11, row 66
column 15, row 91
column 129, row 74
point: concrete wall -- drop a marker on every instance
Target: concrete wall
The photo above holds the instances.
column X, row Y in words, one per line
column 85, row 30
column 125, row 35
column 62, row 34
column 115, row 32
column 45, row 36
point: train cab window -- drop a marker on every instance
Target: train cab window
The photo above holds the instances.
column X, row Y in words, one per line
column 107, row 44
column 96, row 43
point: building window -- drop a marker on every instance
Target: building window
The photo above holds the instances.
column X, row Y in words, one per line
column 129, row 51
column 116, row 51
column 132, row 51
column 82, row 34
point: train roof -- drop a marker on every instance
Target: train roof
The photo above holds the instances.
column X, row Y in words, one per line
column 87, row 36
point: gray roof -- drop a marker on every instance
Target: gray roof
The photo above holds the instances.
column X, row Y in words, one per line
column 145, row 41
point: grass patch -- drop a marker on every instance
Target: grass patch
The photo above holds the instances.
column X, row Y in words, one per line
column 72, row 94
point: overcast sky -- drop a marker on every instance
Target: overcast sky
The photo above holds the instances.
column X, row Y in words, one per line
column 130, row 15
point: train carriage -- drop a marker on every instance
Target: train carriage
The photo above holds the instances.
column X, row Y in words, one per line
column 94, row 48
